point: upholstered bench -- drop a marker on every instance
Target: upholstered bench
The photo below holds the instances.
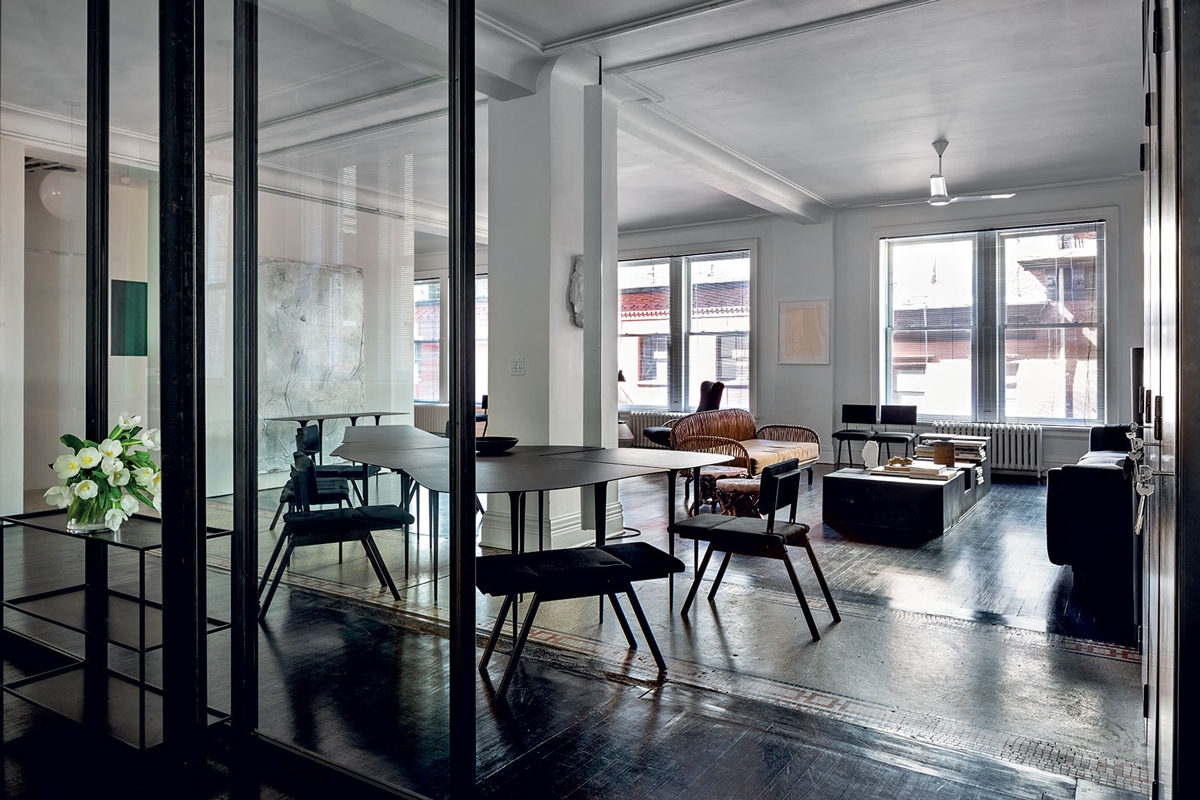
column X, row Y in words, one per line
column 569, row 574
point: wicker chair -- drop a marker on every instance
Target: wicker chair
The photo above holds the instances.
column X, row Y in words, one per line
column 738, row 424
column 706, row 492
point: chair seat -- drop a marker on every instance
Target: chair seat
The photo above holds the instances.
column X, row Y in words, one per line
column 895, row 437
column 383, row 517
column 732, row 533
column 556, row 574
column 323, row 527
column 646, row 560
column 854, row 435
column 352, row 472
column 326, row 487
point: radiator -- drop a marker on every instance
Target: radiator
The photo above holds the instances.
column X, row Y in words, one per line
column 1014, row 447
column 639, row 420
column 431, row 417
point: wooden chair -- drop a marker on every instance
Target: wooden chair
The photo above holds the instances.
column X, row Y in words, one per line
column 763, row 538
column 304, row 527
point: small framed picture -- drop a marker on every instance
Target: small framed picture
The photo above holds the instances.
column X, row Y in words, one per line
column 804, row 332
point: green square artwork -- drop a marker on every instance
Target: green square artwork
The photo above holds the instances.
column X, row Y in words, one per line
column 128, row 318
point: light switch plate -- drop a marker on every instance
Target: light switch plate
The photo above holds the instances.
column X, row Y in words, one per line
column 518, row 367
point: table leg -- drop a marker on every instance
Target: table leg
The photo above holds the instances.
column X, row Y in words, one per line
column 514, row 525
column 366, row 485
column 601, row 501
column 541, row 519
column 696, row 495
column 320, row 441
column 434, row 519
column 672, row 480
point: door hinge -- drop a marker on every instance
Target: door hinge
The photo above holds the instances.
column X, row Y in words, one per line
column 1159, row 40
column 1146, row 700
column 1158, row 417
column 1144, row 156
column 1139, row 638
column 1154, row 790
column 1151, row 109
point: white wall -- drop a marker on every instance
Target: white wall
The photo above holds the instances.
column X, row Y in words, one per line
column 12, row 324
column 837, row 259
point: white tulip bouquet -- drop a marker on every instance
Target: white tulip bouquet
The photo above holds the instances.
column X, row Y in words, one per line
column 106, row 482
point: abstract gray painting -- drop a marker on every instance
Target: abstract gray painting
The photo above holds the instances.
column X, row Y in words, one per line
column 310, row 351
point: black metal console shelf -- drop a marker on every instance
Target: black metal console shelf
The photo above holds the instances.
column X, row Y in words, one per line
column 88, row 690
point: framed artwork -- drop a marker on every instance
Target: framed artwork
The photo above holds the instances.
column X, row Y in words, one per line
column 804, row 332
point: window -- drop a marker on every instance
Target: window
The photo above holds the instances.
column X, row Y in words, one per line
column 997, row 325
column 427, row 315
column 427, row 327
column 684, row 320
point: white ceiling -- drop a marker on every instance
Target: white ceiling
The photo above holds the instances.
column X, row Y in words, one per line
column 837, row 100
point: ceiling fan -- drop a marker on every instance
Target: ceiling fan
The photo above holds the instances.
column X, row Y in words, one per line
column 939, row 195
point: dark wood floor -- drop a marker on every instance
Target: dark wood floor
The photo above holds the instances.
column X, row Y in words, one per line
column 345, row 681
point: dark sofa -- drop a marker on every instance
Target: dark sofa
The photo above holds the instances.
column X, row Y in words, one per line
column 1090, row 514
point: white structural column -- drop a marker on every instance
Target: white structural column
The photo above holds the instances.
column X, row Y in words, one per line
column 12, row 325
column 552, row 197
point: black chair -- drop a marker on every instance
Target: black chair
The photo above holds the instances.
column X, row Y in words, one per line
column 308, row 441
column 897, row 415
column 754, row 536
column 304, row 527
column 710, row 400
column 482, row 416
column 327, row 491
column 854, row 415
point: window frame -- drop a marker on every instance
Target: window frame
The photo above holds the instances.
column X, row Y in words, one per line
column 442, row 277
column 677, row 400
column 1109, row 302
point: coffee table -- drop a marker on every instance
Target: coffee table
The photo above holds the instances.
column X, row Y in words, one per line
column 890, row 506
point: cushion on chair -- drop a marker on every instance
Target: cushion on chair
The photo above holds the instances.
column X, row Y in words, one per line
column 699, row 526
column 895, row 437
column 383, row 516
column 504, row 575
column 764, row 452
column 345, row 471
column 323, row 527
column 577, row 572
column 742, row 532
column 658, row 435
column 646, row 560
column 854, row 435
column 739, row 496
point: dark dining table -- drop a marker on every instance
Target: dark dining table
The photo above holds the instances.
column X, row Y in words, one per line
column 424, row 458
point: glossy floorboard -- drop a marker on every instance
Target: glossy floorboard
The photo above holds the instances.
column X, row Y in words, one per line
column 345, row 681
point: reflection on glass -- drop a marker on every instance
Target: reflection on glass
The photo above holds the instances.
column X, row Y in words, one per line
column 932, row 370
column 427, row 322
column 481, row 336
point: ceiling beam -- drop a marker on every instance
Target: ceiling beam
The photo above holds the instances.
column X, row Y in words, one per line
column 640, row 24
column 768, row 36
column 670, row 142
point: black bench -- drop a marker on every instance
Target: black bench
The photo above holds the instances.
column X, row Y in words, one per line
column 566, row 575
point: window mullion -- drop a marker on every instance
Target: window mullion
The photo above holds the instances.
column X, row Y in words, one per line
column 989, row 372
column 677, row 362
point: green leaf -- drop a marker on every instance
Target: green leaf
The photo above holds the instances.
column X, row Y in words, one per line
column 133, row 432
column 90, row 443
column 116, row 431
column 72, row 441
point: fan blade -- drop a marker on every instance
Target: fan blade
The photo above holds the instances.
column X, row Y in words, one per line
column 901, row 203
column 962, row 198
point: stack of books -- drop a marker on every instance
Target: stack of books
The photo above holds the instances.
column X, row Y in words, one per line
column 931, row 472
column 967, row 449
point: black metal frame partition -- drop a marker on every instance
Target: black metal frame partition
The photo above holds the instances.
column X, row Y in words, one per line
column 181, row 210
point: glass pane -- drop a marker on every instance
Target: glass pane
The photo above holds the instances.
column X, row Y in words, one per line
column 1051, row 275
column 931, row 283
column 932, row 370
column 1053, row 373
column 719, row 326
column 644, row 331
column 427, row 323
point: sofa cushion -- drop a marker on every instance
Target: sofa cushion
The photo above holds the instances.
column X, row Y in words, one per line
column 764, row 452
column 1103, row 458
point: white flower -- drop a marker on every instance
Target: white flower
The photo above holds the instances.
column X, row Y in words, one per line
column 119, row 478
column 112, row 448
column 143, row 475
column 110, row 465
column 150, row 438
column 156, row 483
column 66, row 467
column 113, row 518
column 86, row 490
column 128, row 421
column 89, row 457
column 157, row 502
column 59, row 496
column 129, row 505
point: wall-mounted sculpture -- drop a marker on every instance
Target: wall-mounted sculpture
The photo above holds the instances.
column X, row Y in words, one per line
column 575, row 291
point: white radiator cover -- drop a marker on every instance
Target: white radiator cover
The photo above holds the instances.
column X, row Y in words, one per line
column 431, row 417
column 639, row 420
column 1014, row 447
